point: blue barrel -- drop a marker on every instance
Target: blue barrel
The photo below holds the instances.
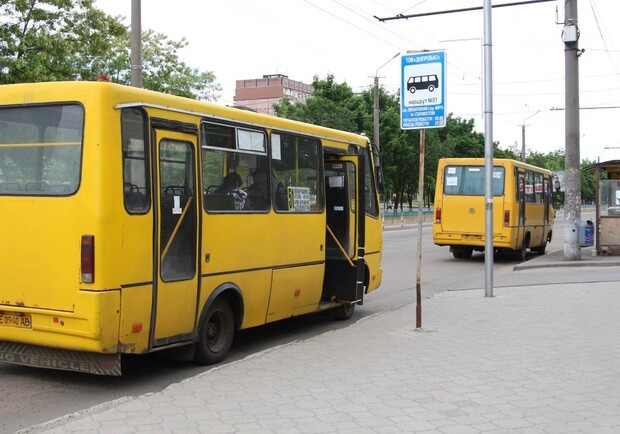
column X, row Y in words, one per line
column 586, row 233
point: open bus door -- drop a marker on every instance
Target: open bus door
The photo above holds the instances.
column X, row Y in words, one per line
column 345, row 231
column 176, row 234
column 521, row 198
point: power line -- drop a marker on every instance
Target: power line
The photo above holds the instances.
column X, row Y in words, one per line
column 600, row 32
column 451, row 11
column 351, row 24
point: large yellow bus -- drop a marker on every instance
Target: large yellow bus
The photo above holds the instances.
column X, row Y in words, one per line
column 135, row 221
column 522, row 207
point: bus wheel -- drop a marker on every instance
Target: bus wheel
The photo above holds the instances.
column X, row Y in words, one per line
column 216, row 333
column 344, row 311
column 431, row 88
column 464, row 253
column 540, row 250
column 519, row 254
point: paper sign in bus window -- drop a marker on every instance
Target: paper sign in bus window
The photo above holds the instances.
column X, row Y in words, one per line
column 299, row 198
column 452, row 181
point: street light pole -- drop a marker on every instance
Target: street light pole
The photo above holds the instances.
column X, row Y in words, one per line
column 136, row 43
column 523, row 135
column 488, row 150
column 376, row 103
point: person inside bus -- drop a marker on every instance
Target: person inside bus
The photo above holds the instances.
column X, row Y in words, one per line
column 231, row 186
column 258, row 191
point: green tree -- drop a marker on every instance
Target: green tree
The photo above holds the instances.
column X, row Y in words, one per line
column 51, row 40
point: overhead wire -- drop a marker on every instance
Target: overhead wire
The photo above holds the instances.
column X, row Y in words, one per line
column 598, row 25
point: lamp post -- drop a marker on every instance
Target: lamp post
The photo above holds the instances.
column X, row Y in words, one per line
column 136, row 43
column 376, row 102
column 523, row 134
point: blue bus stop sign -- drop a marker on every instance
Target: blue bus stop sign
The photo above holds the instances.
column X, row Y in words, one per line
column 423, row 90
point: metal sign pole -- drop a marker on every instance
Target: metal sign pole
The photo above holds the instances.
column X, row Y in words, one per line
column 488, row 151
column 418, row 278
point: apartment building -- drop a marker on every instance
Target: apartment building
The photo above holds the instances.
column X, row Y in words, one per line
column 260, row 94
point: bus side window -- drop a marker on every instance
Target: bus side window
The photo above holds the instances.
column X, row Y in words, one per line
column 135, row 157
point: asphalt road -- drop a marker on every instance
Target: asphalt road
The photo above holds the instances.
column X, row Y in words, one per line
column 29, row 396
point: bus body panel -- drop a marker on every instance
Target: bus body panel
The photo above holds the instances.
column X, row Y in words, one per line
column 255, row 286
column 93, row 326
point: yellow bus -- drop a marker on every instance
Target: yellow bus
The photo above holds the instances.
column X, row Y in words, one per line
column 135, row 221
column 522, row 207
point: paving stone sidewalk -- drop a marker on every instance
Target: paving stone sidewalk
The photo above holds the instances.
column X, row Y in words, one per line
column 539, row 359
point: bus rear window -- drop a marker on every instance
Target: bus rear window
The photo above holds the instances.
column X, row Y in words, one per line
column 469, row 181
column 40, row 149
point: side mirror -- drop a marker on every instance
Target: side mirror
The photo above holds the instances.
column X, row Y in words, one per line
column 380, row 183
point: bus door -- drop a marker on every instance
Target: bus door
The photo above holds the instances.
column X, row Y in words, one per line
column 521, row 201
column 176, row 234
column 345, row 204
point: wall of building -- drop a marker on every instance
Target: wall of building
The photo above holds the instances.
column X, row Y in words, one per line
column 261, row 94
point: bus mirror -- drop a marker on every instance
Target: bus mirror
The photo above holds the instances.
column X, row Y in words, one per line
column 380, row 185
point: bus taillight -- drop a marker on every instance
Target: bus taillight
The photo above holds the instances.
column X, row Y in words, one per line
column 438, row 215
column 87, row 265
column 507, row 217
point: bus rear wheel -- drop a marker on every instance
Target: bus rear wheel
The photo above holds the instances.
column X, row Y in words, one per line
column 462, row 253
column 216, row 333
column 344, row 311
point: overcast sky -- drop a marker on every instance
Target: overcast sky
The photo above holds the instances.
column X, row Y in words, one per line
column 241, row 39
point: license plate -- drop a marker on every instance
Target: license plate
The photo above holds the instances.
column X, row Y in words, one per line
column 21, row 320
column 472, row 237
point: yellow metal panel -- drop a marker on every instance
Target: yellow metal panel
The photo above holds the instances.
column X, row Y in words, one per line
column 92, row 327
column 254, row 286
column 295, row 291
column 135, row 319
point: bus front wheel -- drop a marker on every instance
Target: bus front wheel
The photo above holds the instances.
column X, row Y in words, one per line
column 216, row 333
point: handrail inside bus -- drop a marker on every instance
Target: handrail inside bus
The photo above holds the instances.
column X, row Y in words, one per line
column 176, row 228
column 340, row 246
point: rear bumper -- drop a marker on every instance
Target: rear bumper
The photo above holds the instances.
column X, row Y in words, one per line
column 83, row 340
column 500, row 241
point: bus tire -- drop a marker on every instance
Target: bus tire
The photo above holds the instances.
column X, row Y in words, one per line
column 541, row 249
column 216, row 333
column 464, row 253
column 344, row 311
column 521, row 253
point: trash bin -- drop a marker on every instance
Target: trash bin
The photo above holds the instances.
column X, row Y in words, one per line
column 586, row 233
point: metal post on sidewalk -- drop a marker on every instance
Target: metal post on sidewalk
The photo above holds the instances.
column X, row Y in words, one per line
column 418, row 277
column 488, row 150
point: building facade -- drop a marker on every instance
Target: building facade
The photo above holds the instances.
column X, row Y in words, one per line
column 260, row 94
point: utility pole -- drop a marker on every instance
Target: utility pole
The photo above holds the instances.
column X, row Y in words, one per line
column 136, row 43
column 488, row 150
column 572, row 178
column 376, row 105
column 523, row 125
column 523, row 143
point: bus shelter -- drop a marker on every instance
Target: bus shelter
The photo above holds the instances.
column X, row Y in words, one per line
column 607, row 206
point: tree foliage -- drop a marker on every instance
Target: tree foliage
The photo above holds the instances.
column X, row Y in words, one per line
column 52, row 40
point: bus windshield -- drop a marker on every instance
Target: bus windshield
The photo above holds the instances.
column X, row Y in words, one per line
column 40, row 149
column 469, row 181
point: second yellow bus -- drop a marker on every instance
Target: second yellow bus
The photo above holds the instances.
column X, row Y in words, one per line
column 522, row 207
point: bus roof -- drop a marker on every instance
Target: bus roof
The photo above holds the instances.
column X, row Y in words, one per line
column 503, row 161
column 124, row 96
